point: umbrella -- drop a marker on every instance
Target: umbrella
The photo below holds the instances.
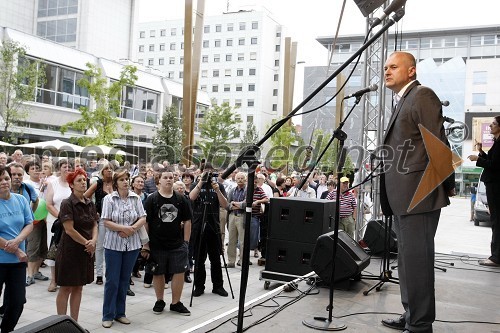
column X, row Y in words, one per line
column 53, row 145
column 2, row 143
column 105, row 150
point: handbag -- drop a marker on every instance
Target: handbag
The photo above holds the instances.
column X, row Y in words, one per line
column 52, row 252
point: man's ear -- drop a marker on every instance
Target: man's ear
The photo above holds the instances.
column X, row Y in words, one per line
column 412, row 72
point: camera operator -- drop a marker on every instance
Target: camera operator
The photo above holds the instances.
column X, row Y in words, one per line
column 208, row 196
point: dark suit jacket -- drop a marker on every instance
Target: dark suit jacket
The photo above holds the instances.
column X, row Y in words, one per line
column 491, row 164
column 324, row 194
column 407, row 157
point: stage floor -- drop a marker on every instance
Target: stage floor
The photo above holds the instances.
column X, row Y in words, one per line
column 467, row 292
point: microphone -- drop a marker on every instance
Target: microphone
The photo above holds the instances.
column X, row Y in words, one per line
column 395, row 5
column 448, row 119
column 445, row 103
column 361, row 92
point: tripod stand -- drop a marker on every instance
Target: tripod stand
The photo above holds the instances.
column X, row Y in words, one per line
column 385, row 273
column 215, row 228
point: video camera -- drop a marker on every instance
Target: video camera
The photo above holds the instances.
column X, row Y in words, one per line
column 212, row 176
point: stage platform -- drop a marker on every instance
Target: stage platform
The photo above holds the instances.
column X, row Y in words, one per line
column 465, row 293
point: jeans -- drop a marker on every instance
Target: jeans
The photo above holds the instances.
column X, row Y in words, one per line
column 119, row 266
column 254, row 232
column 13, row 276
column 99, row 250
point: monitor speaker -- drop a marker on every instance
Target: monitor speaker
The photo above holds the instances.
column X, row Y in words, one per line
column 53, row 324
column 350, row 259
column 374, row 237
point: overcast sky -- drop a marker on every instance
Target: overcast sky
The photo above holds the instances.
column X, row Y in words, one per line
column 306, row 20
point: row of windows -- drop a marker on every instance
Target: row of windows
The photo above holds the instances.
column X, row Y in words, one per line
column 228, row 72
column 217, row 43
column 227, row 87
column 60, row 31
column 61, row 89
column 206, row 29
column 57, row 7
column 204, row 58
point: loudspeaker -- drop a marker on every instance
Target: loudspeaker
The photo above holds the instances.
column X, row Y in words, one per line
column 53, row 324
column 350, row 258
column 299, row 219
column 375, row 235
column 288, row 257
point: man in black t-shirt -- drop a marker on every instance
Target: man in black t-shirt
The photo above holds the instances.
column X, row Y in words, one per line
column 169, row 228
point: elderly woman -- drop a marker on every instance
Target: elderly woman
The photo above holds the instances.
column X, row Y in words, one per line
column 123, row 215
column 57, row 190
column 15, row 226
column 75, row 254
column 101, row 187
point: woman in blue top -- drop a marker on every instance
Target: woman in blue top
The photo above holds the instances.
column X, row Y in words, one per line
column 16, row 220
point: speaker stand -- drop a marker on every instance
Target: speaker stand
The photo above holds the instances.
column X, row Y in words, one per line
column 323, row 324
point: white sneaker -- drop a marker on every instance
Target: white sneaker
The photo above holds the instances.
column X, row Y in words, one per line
column 147, row 285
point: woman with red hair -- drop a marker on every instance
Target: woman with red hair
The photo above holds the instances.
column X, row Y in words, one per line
column 75, row 253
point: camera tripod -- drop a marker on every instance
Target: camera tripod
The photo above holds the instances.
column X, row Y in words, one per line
column 215, row 228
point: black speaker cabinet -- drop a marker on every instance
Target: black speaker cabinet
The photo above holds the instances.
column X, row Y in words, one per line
column 300, row 220
column 288, row 257
column 375, row 236
column 350, row 258
column 52, row 324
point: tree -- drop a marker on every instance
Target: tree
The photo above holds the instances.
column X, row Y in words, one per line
column 281, row 141
column 19, row 78
column 219, row 126
column 329, row 161
column 250, row 136
column 168, row 138
column 101, row 119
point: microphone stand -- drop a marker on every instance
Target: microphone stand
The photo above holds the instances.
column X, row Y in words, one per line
column 248, row 157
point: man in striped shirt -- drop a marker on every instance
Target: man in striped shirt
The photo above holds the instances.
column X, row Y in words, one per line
column 347, row 208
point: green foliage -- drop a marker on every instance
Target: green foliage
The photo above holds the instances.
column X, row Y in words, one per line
column 250, row 136
column 219, row 126
column 99, row 123
column 168, row 138
column 281, row 142
column 19, row 78
column 329, row 161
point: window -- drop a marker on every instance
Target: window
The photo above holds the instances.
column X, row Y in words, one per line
column 140, row 61
column 276, row 77
column 61, row 31
column 215, row 73
column 277, row 48
column 229, row 57
column 203, row 87
column 489, row 40
column 171, row 75
column 172, row 46
column 139, row 105
column 162, row 47
column 275, row 107
column 182, row 45
column 241, row 41
column 204, row 73
column 251, row 71
column 173, row 32
column 480, row 77
column 216, row 57
column 242, row 25
column 227, row 72
column 227, row 87
column 255, row 25
column 229, row 42
column 204, row 58
column 171, row 60
column 251, row 87
column 275, row 92
column 249, row 119
column 205, row 43
column 163, row 32
column 181, row 74
column 181, row 60
column 237, row 103
column 239, row 87
column 141, row 48
column 161, row 61
column 206, row 29
column 151, row 62
column 142, row 34
column 215, row 88
column 478, row 99
column 152, row 33
column 217, row 43
column 278, row 34
column 250, row 102
column 218, row 28
column 239, row 72
column 253, row 55
column 276, row 62
column 241, row 56
column 151, row 47
column 230, row 27
column 253, row 40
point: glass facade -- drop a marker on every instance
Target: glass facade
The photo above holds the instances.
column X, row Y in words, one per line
column 48, row 8
column 139, row 104
column 61, row 31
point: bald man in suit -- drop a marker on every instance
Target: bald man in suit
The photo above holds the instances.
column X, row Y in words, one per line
column 403, row 172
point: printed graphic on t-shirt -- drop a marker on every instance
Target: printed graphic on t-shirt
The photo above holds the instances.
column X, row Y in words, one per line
column 168, row 213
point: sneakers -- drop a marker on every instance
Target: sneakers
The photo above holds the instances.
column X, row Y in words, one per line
column 130, row 292
column 107, row 323
column 198, row 292
column 220, row 291
column 159, row 306
column 147, row 285
column 29, row 281
column 40, row 276
column 179, row 308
